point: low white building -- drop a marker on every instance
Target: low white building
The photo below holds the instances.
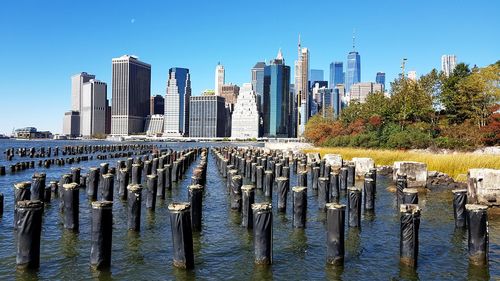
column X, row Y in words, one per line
column 245, row 118
column 154, row 124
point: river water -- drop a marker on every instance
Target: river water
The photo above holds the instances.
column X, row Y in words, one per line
column 224, row 250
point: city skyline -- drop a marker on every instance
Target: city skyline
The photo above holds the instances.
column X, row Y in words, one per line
column 60, row 52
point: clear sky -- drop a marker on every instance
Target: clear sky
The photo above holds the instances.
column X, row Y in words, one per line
column 43, row 43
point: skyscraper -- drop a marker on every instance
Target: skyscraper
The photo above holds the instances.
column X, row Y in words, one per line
column 380, row 78
column 258, row 80
column 130, row 95
column 219, row 78
column 177, row 102
column 336, row 74
column 353, row 74
column 157, row 105
column 207, row 117
column 302, row 87
column 230, row 93
column 245, row 119
column 448, row 63
column 77, row 81
column 315, row 75
column 94, row 107
column 360, row 91
column 276, row 112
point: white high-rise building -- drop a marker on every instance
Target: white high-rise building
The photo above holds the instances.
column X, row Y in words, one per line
column 302, row 87
column 359, row 91
column 93, row 114
column 177, row 103
column 448, row 63
column 245, row 119
column 412, row 75
column 219, row 78
column 77, row 81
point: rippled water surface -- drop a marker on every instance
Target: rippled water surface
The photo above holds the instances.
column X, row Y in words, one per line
column 224, row 250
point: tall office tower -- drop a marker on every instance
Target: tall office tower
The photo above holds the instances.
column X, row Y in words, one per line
column 353, row 67
column 360, row 91
column 315, row 75
column 277, row 112
column 177, row 102
column 157, row 105
column 258, row 80
column 77, row 81
column 340, row 99
column 131, row 93
column 412, row 75
column 207, row 117
column 107, row 130
column 380, row 79
column 302, row 87
column 219, row 78
column 230, row 94
column 336, row 74
column 245, row 119
column 94, row 107
column 448, row 63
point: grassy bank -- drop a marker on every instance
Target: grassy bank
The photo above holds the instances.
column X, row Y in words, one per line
column 455, row 165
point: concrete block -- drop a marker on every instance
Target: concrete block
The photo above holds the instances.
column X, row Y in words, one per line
column 313, row 157
column 483, row 187
column 334, row 160
column 416, row 172
column 363, row 165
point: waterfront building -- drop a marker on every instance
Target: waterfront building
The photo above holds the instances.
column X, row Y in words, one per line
column 380, row 79
column 302, row 87
column 177, row 102
column 360, row 91
column 207, row 118
column 412, row 75
column 448, row 64
column 219, row 78
column 154, row 125
column 71, row 123
column 94, row 108
column 77, row 82
column 276, row 111
column 32, row 133
column 157, row 105
column 130, row 95
column 245, row 117
column 336, row 74
column 258, row 80
column 230, row 93
column 338, row 100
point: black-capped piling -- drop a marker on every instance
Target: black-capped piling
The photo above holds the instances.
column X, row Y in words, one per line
column 29, row 230
column 152, row 189
column 160, row 183
column 354, row 206
column 103, row 168
column 459, row 212
column 123, row 183
column 75, row 175
column 263, row 233
column 283, row 186
column 335, row 229
column 315, row 176
column 22, row 192
column 168, row 177
column 259, row 184
column 478, row 240
column 323, row 192
column 236, row 183
column 248, row 198
column 302, row 178
column 299, row 206
column 107, row 185
column 93, row 184
column 410, row 224
column 134, row 207
column 136, row 173
column 71, row 199
column 182, row 238
column 351, row 175
column 175, row 171
column 101, row 234
column 334, row 187
column 268, row 183
column 38, row 186
column 401, row 184
column 47, row 194
column 196, row 202
column 343, row 178
column 369, row 194
column 54, row 188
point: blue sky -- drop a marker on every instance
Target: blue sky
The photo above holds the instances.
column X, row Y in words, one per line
column 44, row 42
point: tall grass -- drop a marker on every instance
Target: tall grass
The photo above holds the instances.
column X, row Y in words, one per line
column 455, row 165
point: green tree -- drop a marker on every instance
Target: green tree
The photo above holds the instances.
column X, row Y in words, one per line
column 410, row 102
column 453, row 102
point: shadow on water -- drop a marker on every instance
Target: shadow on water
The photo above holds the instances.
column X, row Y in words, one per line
column 133, row 248
column 262, row 272
column 407, row 273
column 478, row 273
column 101, row 275
column 69, row 241
column 352, row 243
column 150, row 218
column 27, row 275
column 182, row 274
column 298, row 238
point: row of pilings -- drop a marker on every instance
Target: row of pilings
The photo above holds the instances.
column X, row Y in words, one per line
column 270, row 172
column 132, row 180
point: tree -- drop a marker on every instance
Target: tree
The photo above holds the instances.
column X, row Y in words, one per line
column 453, row 102
column 410, row 102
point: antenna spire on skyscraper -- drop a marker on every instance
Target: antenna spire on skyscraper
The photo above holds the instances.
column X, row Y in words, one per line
column 354, row 39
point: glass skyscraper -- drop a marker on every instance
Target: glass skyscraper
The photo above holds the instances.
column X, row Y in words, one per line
column 353, row 74
column 177, row 102
column 277, row 115
column 258, row 80
column 380, row 78
column 336, row 74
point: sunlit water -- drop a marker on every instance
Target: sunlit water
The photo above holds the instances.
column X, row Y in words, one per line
column 224, row 250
